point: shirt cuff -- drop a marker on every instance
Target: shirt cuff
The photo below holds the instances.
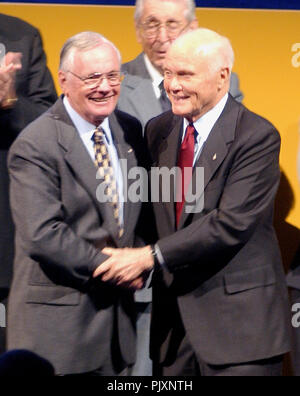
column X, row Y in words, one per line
column 160, row 257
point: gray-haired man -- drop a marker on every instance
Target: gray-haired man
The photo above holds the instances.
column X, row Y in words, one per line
column 158, row 23
column 56, row 308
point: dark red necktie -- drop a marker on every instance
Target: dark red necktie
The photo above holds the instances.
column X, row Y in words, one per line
column 185, row 163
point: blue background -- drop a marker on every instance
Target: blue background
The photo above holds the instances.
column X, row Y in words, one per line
column 267, row 4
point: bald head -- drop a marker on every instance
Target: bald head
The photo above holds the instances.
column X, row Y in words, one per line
column 208, row 45
column 197, row 72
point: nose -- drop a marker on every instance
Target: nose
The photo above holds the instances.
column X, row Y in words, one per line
column 162, row 34
column 174, row 84
column 103, row 85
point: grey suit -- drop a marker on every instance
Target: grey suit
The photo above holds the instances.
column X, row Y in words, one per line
column 56, row 309
column 137, row 94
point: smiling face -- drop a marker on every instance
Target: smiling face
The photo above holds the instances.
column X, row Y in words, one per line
column 167, row 13
column 95, row 104
column 193, row 86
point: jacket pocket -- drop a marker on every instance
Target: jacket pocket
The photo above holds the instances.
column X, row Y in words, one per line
column 52, row 295
column 240, row 281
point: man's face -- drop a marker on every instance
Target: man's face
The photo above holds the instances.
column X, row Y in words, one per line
column 93, row 104
column 191, row 86
column 170, row 15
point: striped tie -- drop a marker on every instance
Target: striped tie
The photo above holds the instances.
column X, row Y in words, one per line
column 106, row 171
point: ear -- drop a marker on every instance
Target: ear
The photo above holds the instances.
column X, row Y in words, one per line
column 62, row 79
column 194, row 24
column 224, row 77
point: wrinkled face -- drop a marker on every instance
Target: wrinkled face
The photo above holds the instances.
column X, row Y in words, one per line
column 191, row 86
column 93, row 104
column 160, row 24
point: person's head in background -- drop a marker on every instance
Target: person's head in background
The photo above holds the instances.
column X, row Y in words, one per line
column 160, row 22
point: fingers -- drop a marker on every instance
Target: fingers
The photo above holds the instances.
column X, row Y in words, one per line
column 109, row 251
column 14, row 58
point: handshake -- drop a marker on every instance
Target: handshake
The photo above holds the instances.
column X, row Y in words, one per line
column 128, row 268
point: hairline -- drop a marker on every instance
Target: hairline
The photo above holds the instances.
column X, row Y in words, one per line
column 83, row 41
column 190, row 14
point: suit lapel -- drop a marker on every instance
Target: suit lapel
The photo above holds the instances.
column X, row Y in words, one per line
column 82, row 165
column 128, row 161
column 216, row 148
column 168, row 153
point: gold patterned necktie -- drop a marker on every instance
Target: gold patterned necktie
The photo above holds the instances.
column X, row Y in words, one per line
column 106, row 171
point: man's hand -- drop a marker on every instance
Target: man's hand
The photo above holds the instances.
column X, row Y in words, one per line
column 7, row 78
column 126, row 267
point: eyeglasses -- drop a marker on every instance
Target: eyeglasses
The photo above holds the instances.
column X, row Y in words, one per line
column 173, row 28
column 92, row 81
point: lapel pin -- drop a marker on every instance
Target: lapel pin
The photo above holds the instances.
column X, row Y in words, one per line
column 130, row 151
column 214, row 157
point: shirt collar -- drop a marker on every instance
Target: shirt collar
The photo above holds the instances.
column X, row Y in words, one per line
column 84, row 127
column 155, row 75
column 206, row 123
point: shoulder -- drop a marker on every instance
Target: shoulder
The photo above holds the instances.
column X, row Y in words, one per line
column 251, row 131
column 127, row 121
column 257, row 124
column 132, row 66
column 14, row 28
column 162, row 121
column 40, row 135
column 160, row 127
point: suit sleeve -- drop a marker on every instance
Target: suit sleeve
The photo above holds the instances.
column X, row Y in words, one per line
column 36, row 92
column 39, row 216
column 247, row 198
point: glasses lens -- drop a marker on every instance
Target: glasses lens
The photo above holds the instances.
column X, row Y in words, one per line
column 172, row 28
column 112, row 78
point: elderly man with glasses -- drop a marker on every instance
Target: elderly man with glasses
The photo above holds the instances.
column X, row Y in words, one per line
column 67, row 198
column 158, row 23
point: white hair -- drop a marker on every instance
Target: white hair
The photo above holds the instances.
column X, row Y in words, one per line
column 190, row 13
column 82, row 41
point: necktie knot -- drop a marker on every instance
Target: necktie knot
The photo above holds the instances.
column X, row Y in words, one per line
column 190, row 130
column 98, row 135
column 189, row 139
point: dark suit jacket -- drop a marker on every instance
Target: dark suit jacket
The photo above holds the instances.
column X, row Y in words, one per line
column 137, row 95
column 36, row 93
column 55, row 309
column 224, row 264
column 138, row 99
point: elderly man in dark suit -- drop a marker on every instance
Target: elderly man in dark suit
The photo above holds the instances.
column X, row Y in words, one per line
column 68, row 202
column 220, row 304
column 158, row 23
column 26, row 91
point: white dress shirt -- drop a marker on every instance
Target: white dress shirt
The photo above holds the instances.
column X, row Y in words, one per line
column 86, row 131
column 203, row 128
column 155, row 75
